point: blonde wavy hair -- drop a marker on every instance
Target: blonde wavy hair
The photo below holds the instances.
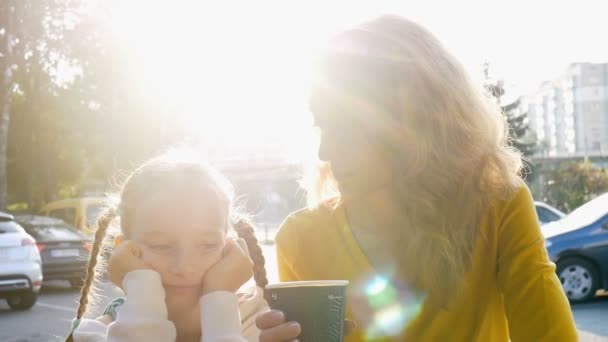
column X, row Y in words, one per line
column 448, row 136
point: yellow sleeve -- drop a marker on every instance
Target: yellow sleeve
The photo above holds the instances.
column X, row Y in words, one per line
column 536, row 306
column 286, row 248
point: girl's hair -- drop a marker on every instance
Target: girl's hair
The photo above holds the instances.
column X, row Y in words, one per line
column 449, row 139
column 174, row 170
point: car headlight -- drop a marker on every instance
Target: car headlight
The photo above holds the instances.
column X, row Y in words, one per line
column 548, row 243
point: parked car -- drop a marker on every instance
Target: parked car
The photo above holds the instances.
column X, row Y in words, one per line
column 81, row 213
column 547, row 214
column 64, row 250
column 20, row 265
column 578, row 244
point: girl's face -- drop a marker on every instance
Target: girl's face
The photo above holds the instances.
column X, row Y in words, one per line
column 181, row 236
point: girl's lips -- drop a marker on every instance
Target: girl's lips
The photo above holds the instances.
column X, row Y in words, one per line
column 182, row 289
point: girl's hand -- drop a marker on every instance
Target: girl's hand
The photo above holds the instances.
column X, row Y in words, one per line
column 125, row 258
column 231, row 271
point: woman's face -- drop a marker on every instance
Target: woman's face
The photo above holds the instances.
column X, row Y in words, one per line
column 360, row 158
column 180, row 238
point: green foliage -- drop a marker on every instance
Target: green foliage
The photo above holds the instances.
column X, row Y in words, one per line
column 68, row 135
column 41, row 150
column 519, row 131
column 18, row 208
column 574, row 184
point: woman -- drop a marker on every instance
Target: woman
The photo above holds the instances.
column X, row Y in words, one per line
column 433, row 226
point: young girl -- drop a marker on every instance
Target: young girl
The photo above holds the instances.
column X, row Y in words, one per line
column 177, row 265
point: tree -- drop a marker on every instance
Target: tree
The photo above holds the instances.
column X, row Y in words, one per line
column 44, row 154
column 37, row 59
column 68, row 136
column 572, row 185
column 6, row 90
column 521, row 136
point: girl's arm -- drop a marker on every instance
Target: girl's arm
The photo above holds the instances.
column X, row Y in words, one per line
column 220, row 317
column 219, row 306
column 143, row 317
column 247, row 305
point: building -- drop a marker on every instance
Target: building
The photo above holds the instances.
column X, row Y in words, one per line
column 570, row 114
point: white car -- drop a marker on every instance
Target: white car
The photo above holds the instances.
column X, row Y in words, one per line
column 547, row 213
column 20, row 265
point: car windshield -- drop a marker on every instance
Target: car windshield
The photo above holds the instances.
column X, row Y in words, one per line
column 545, row 215
column 9, row 227
column 55, row 232
column 588, row 212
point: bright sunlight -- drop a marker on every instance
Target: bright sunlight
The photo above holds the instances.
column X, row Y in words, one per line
column 236, row 74
column 237, row 83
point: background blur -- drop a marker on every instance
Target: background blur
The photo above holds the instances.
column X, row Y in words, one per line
column 89, row 89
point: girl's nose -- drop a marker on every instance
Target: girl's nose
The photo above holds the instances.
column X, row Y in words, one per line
column 182, row 264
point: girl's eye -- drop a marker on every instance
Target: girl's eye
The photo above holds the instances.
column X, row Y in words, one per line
column 208, row 246
column 161, row 247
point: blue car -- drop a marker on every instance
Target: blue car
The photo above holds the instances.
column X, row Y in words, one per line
column 578, row 245
column 547, row 214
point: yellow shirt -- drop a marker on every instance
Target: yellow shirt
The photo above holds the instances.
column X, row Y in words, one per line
column 511, row 292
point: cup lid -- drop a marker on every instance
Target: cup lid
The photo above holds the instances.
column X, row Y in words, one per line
column 307, row 283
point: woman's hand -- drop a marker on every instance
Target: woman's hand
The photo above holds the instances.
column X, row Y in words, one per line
column 125, row 258
column 233, row 270
column 274, row 328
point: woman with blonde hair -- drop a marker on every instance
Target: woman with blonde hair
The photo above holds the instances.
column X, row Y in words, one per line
column 419, row 203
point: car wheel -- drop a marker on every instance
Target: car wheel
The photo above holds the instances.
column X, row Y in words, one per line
column 22, row 301
column 76, row 283
column 579, row 279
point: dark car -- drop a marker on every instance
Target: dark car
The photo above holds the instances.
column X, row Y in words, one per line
column 64, row 250
column 578, row 244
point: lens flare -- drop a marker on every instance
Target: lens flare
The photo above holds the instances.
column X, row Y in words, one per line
column 381, row 293
column 377, row 286
column 389, row 308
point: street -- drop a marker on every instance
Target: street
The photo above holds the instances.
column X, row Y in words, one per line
column 591, row 319
column 49, row 319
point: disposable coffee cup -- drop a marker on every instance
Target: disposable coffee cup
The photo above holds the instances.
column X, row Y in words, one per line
column 318, row 306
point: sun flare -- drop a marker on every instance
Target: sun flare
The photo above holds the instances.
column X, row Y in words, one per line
column 233, row 83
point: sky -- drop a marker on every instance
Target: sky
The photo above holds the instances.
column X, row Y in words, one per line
column 526, row 42
column 247, row 64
